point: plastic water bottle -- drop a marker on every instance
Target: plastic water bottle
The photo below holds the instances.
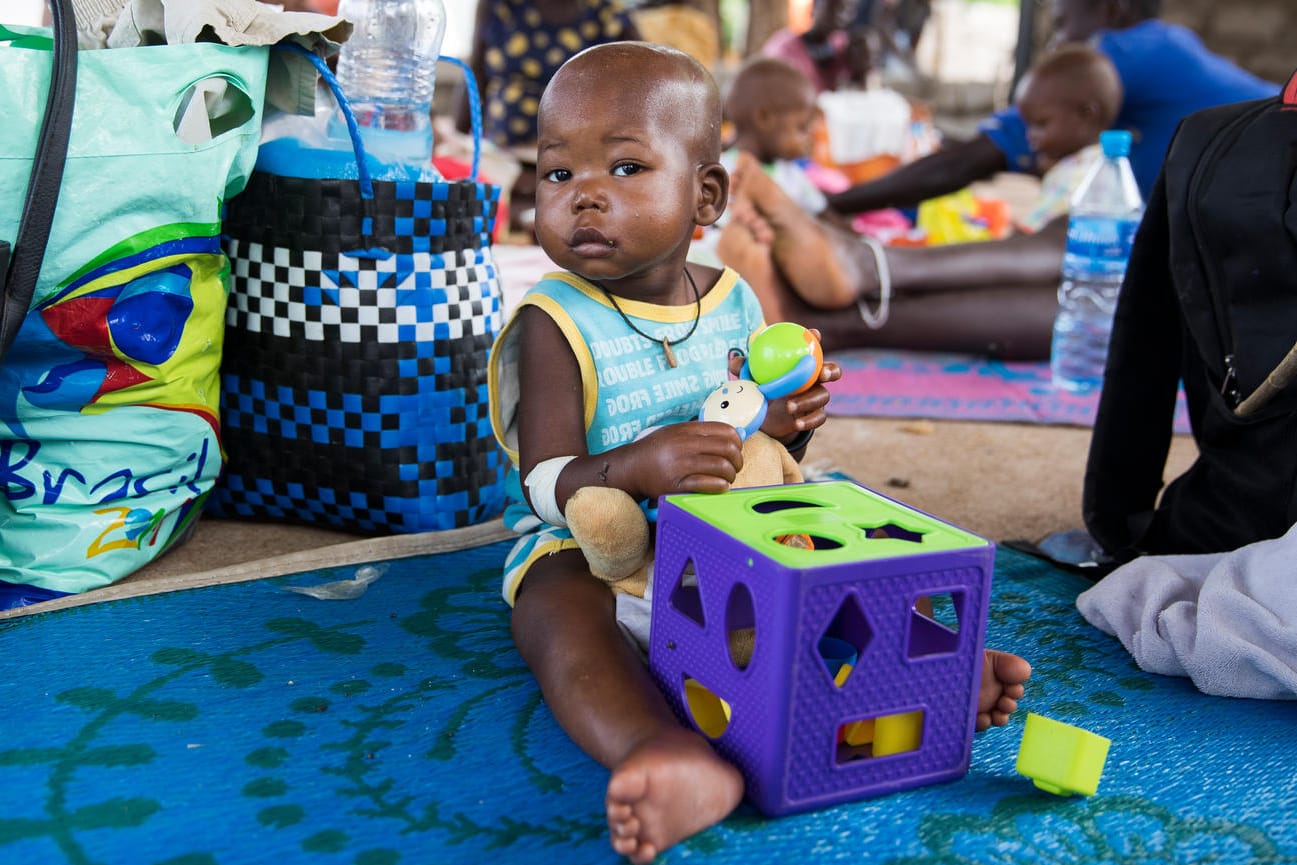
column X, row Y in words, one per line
column 1104, row 213
column 388, row 70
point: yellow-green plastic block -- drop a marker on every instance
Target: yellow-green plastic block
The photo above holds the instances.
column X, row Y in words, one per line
column 896, row 734
column 1060, row 758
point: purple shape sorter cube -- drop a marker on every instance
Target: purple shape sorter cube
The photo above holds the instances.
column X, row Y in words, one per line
column 846, row 670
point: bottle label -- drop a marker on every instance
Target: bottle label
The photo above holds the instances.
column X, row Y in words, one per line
column 1098, row 244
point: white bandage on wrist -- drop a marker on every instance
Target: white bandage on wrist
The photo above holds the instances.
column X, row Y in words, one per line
column 541, row 485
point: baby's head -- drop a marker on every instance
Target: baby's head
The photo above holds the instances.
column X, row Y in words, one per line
column 628, row 160
column 1066, row 100
column 772, row 107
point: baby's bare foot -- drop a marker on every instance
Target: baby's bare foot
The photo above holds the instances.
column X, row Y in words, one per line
column 1003, row 676
column 668, row 789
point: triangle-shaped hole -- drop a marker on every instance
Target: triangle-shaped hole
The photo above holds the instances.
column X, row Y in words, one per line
column 685, row 596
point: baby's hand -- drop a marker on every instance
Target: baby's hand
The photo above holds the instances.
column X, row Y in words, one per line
column 803, row 411
column 688, row 457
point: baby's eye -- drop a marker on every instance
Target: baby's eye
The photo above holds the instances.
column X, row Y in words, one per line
column 626, row 169
column 558, row 175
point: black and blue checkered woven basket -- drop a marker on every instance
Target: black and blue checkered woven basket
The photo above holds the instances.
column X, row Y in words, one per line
column 354, row 390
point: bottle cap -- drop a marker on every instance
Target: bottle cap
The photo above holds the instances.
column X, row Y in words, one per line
column 1115, row 142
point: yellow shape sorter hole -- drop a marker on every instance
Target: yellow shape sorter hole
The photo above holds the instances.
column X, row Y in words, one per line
column 711, row 715
column 880, row 736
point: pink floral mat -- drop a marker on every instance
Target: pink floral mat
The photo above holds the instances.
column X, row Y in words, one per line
column 883, row 383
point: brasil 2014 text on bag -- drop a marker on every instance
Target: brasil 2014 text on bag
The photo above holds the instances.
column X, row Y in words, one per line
column 361, row 316
column 112, row 326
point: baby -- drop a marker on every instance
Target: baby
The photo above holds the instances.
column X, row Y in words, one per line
column 772, row 108
column 631, row 337
column 1066, row 100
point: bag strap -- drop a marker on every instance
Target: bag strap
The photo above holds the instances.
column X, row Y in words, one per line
column 1286, row 370
column 20, row 265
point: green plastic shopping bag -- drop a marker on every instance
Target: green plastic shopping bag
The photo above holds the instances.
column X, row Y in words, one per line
column 109, row 426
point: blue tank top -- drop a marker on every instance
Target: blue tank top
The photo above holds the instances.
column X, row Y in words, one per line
column 628, row 385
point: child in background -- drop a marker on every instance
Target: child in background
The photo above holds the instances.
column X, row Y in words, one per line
column 631, row 338
column 771, row 106
column 1066, row 100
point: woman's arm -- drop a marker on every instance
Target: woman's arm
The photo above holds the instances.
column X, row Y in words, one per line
column 939, row 173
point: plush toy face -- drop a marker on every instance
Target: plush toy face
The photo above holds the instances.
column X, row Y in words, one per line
column 739, row 403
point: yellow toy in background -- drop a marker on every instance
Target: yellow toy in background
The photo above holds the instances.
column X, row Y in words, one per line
column 1060, row 758
column 962, row 217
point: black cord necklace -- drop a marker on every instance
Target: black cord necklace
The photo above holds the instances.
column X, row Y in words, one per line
column 666, row 343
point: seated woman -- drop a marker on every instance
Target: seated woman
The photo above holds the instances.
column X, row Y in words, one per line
column 833, row 52
column 994, row 298
column 517, row 47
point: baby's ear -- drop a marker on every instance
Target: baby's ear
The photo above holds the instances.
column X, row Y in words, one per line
column 713, row 193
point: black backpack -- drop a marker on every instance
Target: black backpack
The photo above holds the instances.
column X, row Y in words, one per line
column 1210, row 298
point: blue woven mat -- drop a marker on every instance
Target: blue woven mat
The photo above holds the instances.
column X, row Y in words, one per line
column 246, row 724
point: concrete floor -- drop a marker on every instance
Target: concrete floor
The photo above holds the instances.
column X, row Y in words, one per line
column 1001, row 480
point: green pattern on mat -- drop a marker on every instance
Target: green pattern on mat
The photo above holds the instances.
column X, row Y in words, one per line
column 246, row 724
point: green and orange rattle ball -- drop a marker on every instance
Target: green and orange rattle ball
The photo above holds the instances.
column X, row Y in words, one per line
column 784, row 359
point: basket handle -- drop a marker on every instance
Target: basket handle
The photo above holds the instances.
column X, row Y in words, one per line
column 475, row 108
column 353, row 129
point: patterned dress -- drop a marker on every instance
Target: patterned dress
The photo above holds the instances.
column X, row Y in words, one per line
column 523, row 53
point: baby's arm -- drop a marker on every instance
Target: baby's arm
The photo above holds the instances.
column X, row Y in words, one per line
column 683, row 457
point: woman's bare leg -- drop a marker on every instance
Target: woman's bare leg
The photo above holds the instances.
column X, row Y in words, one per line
column 1012, row 323
column 996, row 298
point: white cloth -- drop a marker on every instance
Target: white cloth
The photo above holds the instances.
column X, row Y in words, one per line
column 635, row 616
column 1228, row 621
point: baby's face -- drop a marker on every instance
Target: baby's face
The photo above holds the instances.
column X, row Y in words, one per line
column 791, row 134
column 1056, row 125
column 617, row 181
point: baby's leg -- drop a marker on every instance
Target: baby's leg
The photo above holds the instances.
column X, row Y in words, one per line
column 1003, row 678
column 667, row 783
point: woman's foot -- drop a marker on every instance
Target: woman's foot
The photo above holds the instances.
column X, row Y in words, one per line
column 1003, row 678
column 820, row 262
column 669, row 788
